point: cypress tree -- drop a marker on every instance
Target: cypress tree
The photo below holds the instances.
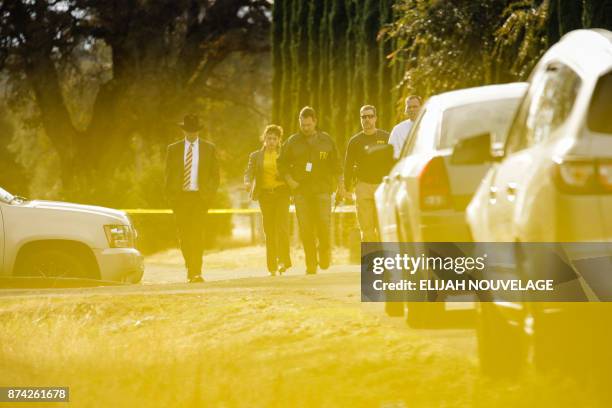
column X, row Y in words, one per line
column 277, row 60
column 569, row 15
column 284, row 104
column 315, row 18
column 326, row 54
column 597, row 14
column 323, row 101
column 353, row 55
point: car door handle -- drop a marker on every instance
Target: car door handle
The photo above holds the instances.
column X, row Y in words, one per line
column 492, row 194
column 511, row 189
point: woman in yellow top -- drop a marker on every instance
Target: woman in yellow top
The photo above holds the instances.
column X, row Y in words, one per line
column 261, row 179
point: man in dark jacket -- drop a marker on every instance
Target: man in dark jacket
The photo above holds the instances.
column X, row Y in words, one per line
column 364, row 172
column 310, row 165
column 192, row 179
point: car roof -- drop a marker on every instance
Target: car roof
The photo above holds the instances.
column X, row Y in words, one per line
column 478, row 94
column 586, row 51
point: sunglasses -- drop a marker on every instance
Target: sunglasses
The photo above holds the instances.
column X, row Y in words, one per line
column 368, row 116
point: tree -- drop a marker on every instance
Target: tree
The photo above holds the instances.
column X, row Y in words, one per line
column 160, row 59
column 326, row 54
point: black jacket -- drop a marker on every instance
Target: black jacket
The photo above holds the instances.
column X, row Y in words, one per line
column 359, row 165
column 325, row 166
column 208, row 171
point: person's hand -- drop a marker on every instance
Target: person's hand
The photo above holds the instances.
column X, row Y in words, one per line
column 248, row 187
column 292, row 184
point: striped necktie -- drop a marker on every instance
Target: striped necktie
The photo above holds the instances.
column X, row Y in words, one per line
column 187, row 172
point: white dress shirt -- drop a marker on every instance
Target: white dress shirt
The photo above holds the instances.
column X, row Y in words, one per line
column 193, row 185
column 398, row 136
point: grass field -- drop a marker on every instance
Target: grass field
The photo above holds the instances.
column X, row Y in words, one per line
column 293, row 341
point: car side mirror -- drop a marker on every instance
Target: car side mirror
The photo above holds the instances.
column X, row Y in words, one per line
column 473, row 150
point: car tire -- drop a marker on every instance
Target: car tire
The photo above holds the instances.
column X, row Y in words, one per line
column 52, row 263
column 502, row 347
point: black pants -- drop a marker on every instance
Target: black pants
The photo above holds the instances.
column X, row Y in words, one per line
column 274, row 205
column 190, row 214
column 314, row 216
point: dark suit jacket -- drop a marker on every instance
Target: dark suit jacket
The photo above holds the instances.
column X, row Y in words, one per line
column 208, row 171
column 254, row 172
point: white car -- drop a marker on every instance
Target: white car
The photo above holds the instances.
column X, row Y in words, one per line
column 59, row 239
column 553, row 185
column 425, row 196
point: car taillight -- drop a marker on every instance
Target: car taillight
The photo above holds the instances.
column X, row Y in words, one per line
column 434, row 187
column 578, row 176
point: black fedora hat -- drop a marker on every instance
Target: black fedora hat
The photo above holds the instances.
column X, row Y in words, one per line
column 191, row 123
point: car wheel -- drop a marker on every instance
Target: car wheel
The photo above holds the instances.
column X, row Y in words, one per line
column 52, row 263
column 501, row 345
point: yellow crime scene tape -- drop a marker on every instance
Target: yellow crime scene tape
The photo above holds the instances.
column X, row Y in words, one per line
column 339, row 209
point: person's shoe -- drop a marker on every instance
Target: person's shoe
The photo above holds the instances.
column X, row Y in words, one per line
column 196, row 279
column 312, row 271
column 281, row 268
column 272, row 273
column 324, row 263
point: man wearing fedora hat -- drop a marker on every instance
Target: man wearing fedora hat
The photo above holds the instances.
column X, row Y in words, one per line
column 192, row 179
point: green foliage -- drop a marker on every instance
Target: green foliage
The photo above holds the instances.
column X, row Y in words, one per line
column 521, row 40
column 12, row 175
column 103, row 85
column 329, row 57
column 445, row 44
column 381, row 51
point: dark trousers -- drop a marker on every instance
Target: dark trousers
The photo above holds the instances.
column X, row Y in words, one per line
column 274, row 205
column 314, row 215
column 190, row 215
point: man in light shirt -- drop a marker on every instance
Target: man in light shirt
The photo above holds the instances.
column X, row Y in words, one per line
column 400, row 132
column 192, row 179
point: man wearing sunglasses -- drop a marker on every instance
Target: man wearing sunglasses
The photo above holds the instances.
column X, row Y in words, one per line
column 364, row 172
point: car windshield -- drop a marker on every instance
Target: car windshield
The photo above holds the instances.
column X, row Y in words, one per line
column 600, row 111
column 492, row 117
column 5, row 196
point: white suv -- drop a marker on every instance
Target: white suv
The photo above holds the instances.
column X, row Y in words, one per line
column 553, row 185
column 58, row 239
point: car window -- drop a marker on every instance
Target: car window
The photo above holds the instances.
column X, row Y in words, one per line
column 493, row 116
column 600, row 111
column 546, row 106
column 409, row 143
column 5, row 196
column 423, row 136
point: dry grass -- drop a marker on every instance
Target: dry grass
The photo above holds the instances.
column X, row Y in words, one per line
column 291, row 341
